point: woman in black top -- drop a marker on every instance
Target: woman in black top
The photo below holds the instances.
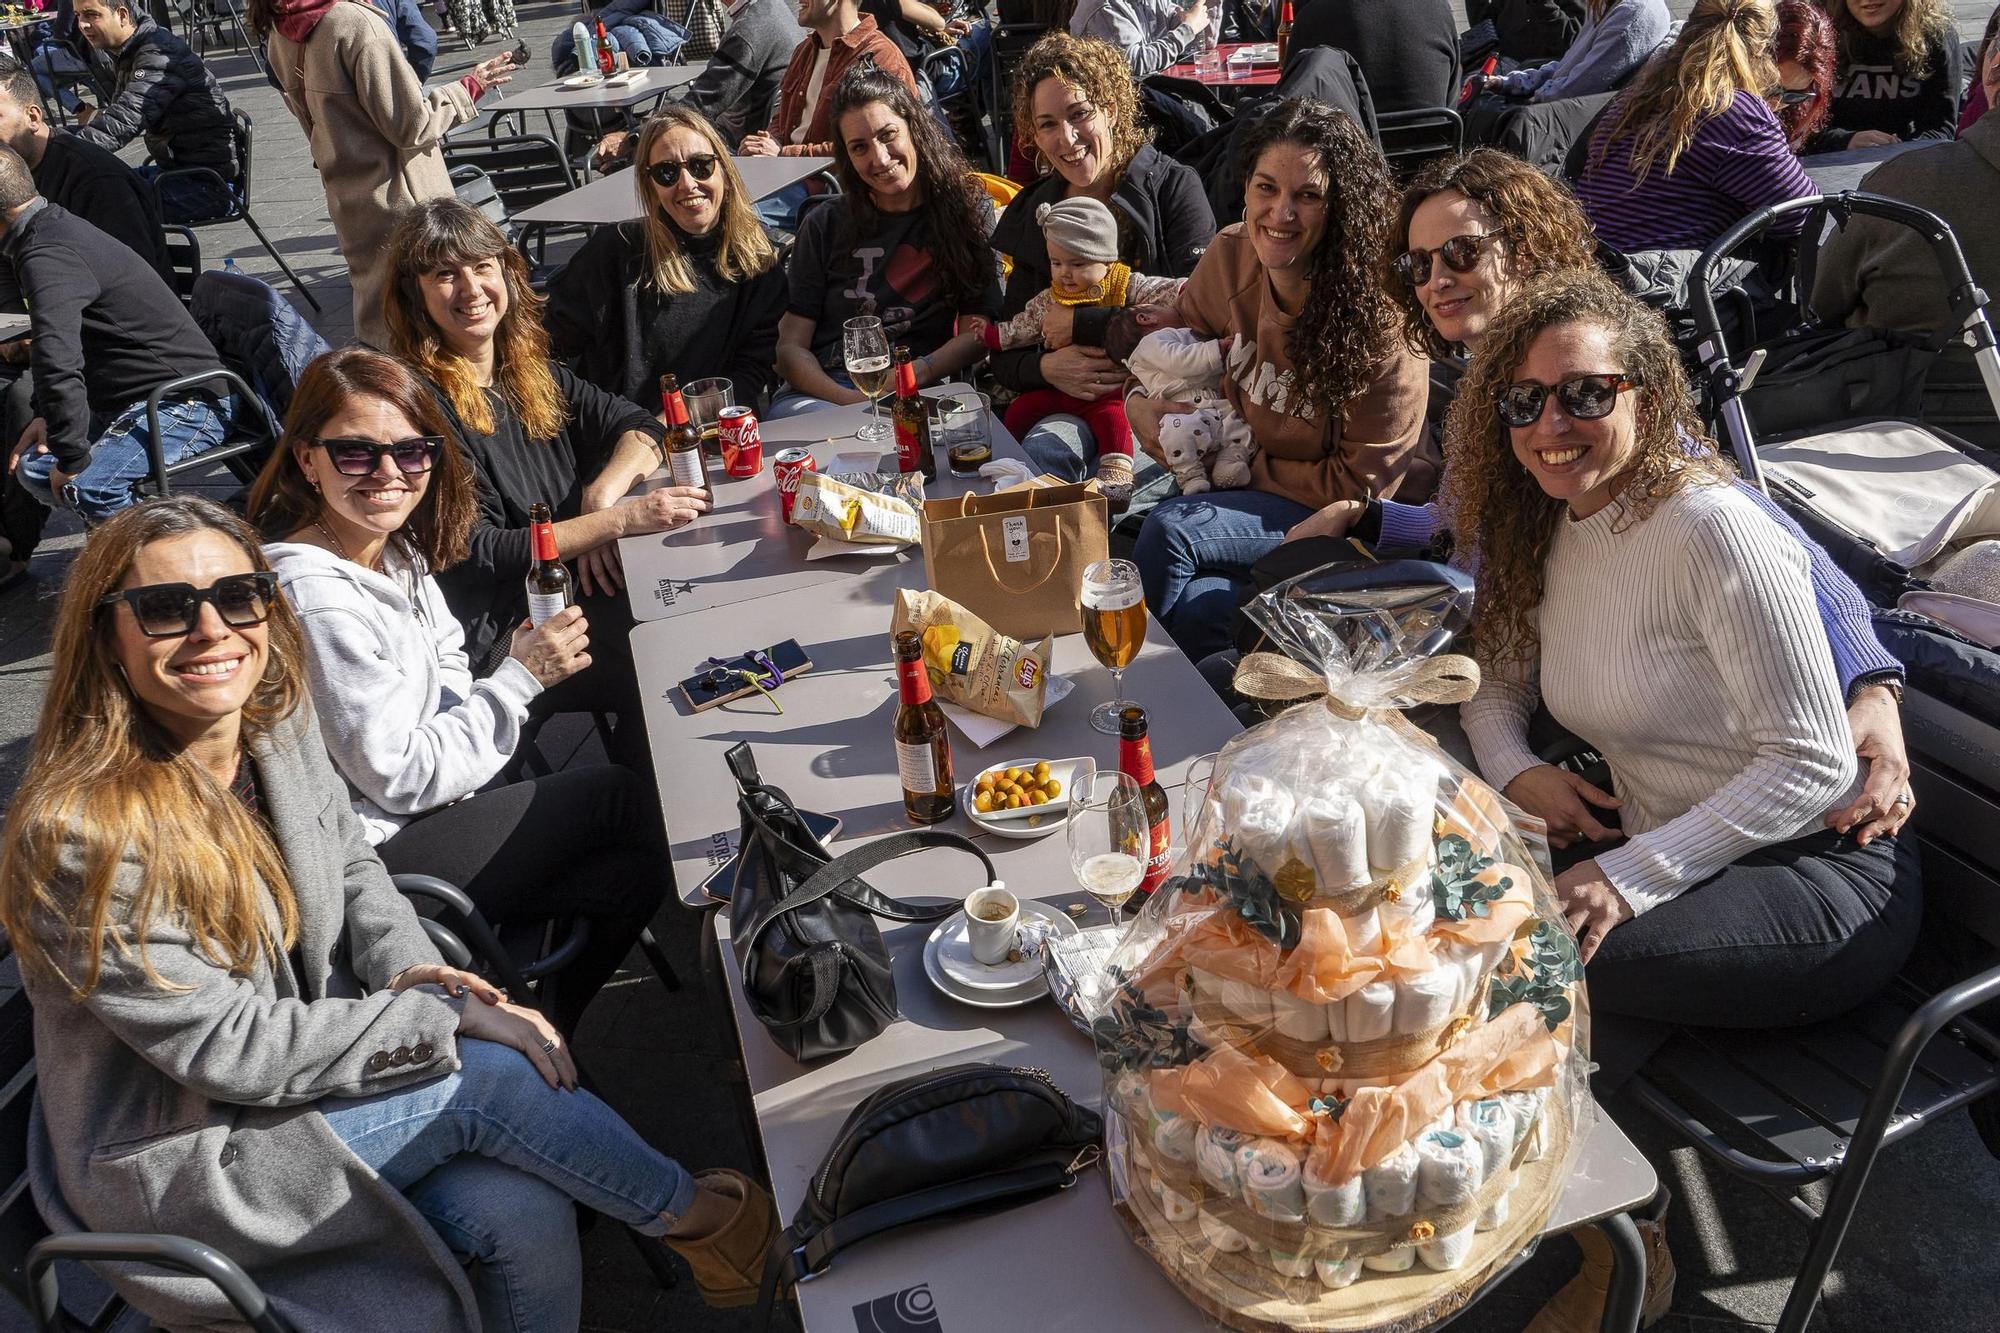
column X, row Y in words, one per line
column 693, row 287
column 1898, row 76
column 461, row 311
column 1077, row 109
column 904, row 241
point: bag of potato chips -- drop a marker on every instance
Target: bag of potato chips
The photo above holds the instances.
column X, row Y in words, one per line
column 973, row 666
column 869, row 507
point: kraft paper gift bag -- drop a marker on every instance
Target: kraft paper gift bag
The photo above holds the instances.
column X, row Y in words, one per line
column 1016, row 558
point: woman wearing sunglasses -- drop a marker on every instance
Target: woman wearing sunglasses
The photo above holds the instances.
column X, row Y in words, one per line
column 1806, row 53
column 693, row 288
column 243, row 1035
column 361, row 503
column 462, row 313
column 1627, row 585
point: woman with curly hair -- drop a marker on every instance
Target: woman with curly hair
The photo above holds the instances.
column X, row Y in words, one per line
column 1692, row 147
column 1333, row 398
column 1077, row 108
column 905, row 241
column 1629, row 587
column 1806, row 53
column 1900, row 67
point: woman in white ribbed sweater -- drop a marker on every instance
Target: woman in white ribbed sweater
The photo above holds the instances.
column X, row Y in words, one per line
column 1659, row 615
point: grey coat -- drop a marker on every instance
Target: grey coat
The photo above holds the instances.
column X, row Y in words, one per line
column 192, row 1111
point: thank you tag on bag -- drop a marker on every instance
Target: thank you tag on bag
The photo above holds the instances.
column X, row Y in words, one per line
column 1014, row 538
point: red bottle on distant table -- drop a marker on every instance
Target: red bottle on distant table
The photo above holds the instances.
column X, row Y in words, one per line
column 1135, row 760
column 1284, row 33
column 606, row 59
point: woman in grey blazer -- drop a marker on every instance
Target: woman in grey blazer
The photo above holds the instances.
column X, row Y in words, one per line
column 242, row 1032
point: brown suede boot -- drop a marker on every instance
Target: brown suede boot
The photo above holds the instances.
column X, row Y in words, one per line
column 728, row 1261
column 1579, row 1306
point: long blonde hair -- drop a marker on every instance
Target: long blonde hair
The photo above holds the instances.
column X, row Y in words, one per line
column 1917, row 23
column 442, row 232
column 746, row 249
column 1724, row 48
column 106, row 785
column 1500, row 507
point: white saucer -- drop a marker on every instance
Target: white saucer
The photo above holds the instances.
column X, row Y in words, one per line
column 973, row 983
column 1022, row 825
column 575, row 81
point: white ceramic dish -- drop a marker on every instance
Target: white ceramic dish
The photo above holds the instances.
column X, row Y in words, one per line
column 576, row 81
column 623, row 77
column 1032, row 984
column 1039, row 821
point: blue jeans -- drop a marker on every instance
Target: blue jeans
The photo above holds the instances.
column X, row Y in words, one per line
column 493, row 1157
column 51, row 63
column 781, row 210
column 1195, row 554
column 118, row 459
column 1063, row 446
column 790, row 402
column 189, row 198
column 948, row 78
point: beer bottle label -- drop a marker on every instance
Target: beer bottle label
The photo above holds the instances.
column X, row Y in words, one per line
column 685, row 464
column 1160, row 860
column 916, row 765
column 543, row 606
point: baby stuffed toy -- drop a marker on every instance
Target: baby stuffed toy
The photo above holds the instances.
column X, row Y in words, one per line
column 1211, row 447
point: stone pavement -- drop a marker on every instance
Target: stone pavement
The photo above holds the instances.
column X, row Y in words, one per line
column 1921, row 1253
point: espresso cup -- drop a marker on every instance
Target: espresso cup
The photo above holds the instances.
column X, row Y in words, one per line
column 992, row 921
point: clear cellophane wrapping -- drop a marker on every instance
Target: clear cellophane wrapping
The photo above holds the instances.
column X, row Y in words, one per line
column 1345, row 1047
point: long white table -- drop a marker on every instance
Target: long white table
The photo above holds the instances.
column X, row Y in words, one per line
column 613, row 199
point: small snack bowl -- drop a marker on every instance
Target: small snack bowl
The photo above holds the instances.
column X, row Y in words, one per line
column 1011, row 790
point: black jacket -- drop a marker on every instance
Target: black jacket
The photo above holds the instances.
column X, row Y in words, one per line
column 1407, row 49
column 1164, row 223
column 94, row 303
column 1530, row 31
column 97, row 186
column 738, row 89
column 621, row 333
column 511, row 472
column 1870, row 92
column 162, row 90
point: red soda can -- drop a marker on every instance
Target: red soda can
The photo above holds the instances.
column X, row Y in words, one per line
column 742, row 446
column 786, row 469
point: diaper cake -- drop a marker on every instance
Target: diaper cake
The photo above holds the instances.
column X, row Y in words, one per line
column 1344, row 1046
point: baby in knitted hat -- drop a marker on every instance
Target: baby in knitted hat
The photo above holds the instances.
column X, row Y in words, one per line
column 1082, row 239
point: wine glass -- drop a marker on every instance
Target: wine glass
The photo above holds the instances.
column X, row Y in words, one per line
column 865, row 348
column 1194, row 794
column 1114, row 625
column 1108, row 837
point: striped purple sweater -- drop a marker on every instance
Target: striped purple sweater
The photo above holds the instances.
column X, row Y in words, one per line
column 1738, row 162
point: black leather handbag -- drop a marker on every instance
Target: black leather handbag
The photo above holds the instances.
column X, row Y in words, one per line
column 963, row 1138
column 802, row 922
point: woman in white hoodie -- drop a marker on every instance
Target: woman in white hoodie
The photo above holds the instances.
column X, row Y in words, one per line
column 365, row 499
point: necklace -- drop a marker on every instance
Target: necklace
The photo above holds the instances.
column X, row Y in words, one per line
column 338, row 549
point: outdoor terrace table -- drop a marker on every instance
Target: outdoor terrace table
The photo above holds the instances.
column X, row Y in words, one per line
column 1844, row 170
column 1261, row 75
column 652, row 81
column 611, row 199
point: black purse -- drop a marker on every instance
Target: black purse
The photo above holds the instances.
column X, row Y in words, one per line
column 802, row 923
column 963, row 1138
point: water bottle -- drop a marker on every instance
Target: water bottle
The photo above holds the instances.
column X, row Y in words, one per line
column 229, row 264
column 583, row 48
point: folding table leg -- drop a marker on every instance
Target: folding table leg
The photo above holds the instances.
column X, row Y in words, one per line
column 1628, row 1274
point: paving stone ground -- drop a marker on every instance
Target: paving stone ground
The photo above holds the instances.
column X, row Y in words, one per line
column 1921, row 1255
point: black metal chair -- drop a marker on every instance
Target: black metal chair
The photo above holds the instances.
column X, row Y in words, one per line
column 524, row 170
column 184, row 254
column 1412, row 138
column 238, row 192
column 243, row 450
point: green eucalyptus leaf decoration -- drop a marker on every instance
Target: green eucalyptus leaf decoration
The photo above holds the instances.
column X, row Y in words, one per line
column 1135, row 1034
column 1543, row 979
column 1330, row 1107
column 1248, row 891
column 1455, row 884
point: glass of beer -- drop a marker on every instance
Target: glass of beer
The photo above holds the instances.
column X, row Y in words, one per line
column 1114, row 625
column 705, row 401
column 1108, row 839
column 864, row 348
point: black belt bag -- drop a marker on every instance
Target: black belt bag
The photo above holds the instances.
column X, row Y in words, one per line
column 802, row 922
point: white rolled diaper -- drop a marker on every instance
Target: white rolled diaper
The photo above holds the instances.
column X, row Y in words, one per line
column 1449, row 1167
column 1488, row 1123
column 1391, row 1185
column 1289, row 1265
column 1176, row 1206
column 1337, row 1273
column 1219, row 1234
column 1258, row 813
column 1301, row 1020
column 1401, row 806
column 1495, row 1213
column 1413, row 911
column 1247, row 1003
column 1426, row 1001
column 1215, row 1157
column 1330, row 835
column 1364, row 932
column 1395, row 1261
column 1371, row 1011
column 1447, row 1252
column 1273, row 1180
column 1173, row 1136
column 1341, row 1205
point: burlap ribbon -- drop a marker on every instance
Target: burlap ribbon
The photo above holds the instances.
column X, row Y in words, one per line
column 1450, row 679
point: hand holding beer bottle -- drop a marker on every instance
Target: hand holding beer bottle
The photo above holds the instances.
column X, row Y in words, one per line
column 554, row 650
column 1114, row 625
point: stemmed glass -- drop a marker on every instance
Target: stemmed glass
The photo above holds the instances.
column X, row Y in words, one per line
column 1114, row 625
column 1108, row 837
column 1194, row 795
column 865, row 348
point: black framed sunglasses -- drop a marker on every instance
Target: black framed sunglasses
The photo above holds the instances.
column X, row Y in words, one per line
column 164, row 610
column 1583, row 397
column 701, row 166
column 358, row 458
column 1460, row 254
column 1790, row 96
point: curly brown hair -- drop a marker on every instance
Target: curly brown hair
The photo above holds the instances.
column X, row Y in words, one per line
column 1498, row 506
column 1094, row 68
column 1545, row 228
column 1347, row 326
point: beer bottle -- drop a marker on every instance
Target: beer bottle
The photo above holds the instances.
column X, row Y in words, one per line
column 683, row 438
column 1284, row 32
column 548, row 581
column 606, row 60
column 1135, row 758
column 913, row 425
column 923, row 748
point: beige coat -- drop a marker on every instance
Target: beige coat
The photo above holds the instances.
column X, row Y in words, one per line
column 376, row 138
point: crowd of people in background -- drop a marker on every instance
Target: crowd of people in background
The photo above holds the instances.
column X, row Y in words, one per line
column 256, row 720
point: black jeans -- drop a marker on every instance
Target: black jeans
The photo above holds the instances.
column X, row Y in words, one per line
column 610, row 684
column 1794, row 933
column 585, row 842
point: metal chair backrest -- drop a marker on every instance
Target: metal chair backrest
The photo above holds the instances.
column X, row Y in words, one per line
column 184, row 255
column 525, row 169
column 475, row 187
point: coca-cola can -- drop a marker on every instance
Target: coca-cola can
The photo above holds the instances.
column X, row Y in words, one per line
column 786, row 468
column 742, row 446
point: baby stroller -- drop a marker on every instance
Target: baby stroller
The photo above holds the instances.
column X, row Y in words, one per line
column 1911, row 511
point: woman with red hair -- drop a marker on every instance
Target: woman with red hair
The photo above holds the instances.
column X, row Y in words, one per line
column 1807, row 53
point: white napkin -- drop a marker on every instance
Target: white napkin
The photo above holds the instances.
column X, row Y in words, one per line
column 982, row 730
column 830, row 546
